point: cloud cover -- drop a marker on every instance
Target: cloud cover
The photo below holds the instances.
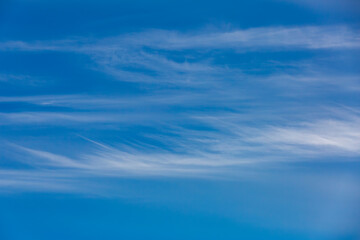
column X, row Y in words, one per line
column 205, row 117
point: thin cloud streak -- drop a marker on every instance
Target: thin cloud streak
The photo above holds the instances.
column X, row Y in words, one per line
column 226, row 152
column 147, row 57
column 311, row 37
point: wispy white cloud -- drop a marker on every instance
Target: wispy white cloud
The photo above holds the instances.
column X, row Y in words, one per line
column 65, row 118
column 313, row 37
column 324, row 137
column 108, row 161
column 331, row 136
column 49, row 180
column 149, row 57
column 230, row 150
column 232, row 141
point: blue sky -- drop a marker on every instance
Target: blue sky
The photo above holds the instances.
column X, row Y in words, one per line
column 179, row 119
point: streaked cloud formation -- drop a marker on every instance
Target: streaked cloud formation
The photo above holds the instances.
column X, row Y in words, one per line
column 204, row 112
column 200, row 119
column 312, row 37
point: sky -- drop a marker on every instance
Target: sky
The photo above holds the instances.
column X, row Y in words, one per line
column 179, row 119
